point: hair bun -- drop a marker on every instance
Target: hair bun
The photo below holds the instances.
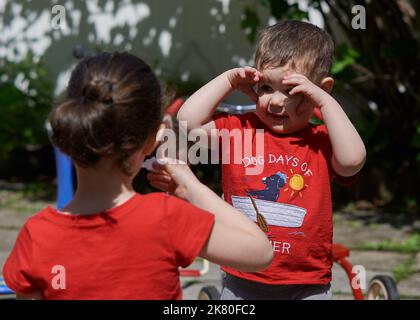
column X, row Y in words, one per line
column 98, row 91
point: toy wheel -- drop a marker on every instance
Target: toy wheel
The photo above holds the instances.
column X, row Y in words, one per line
column 382, row 288
column 209, row 293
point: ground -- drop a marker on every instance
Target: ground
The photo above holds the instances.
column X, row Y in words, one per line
column 360, row 230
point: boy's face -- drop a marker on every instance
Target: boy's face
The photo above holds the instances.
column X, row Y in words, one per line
column 281, row 112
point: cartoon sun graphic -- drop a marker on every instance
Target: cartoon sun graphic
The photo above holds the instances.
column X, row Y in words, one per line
column 296, row 183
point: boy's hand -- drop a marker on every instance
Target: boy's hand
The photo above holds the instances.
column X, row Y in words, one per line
column 313, row 94
column 244, row 79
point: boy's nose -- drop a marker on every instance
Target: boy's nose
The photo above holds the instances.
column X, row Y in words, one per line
column 277, row 102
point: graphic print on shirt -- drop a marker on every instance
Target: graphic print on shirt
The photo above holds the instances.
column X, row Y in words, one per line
column 261, row 205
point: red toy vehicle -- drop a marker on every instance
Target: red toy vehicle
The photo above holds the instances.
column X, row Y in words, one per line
column 381, row 287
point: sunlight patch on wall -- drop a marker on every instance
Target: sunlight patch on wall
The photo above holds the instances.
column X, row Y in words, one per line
column 105, row 21
column 225, row 6
column 62, row 80
column 165, row 42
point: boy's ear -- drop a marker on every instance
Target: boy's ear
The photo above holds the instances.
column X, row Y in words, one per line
column 327, row 84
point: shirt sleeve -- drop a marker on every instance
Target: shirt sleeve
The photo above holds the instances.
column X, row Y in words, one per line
column 189, row 228
column 17, row 271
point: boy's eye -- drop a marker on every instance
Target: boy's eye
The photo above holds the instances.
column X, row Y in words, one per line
column 265, row 88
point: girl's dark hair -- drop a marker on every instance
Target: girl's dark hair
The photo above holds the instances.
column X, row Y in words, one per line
column 113, row 104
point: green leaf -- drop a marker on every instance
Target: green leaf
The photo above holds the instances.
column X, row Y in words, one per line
column 279, row 8
column 250, row 23
column 265, row 3
column 345, row 57
column 415, row 141
column 339, row 66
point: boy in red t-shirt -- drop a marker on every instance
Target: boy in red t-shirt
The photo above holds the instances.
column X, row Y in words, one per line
column 290, row 199
column 110, row 242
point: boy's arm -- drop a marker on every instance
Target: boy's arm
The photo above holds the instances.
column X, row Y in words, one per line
column 197, row 111
column 349, row 153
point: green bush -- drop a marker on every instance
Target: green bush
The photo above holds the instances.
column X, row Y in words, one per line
column 25, row 100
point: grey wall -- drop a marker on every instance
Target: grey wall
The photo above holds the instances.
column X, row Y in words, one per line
column 182, row 39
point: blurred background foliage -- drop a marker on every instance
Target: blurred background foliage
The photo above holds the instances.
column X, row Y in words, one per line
column 377, row 81
column 25, row 100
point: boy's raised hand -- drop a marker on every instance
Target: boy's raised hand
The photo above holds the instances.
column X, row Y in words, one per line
column 244, row 79
column 315, row 95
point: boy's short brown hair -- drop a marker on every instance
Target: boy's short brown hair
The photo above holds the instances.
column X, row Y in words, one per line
column 308, row 48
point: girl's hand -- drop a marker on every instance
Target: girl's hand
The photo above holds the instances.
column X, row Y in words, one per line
column 244, row 79
column 173, row 176
column 313, row 94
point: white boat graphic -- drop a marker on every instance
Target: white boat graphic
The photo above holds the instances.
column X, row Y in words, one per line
column 275, row 213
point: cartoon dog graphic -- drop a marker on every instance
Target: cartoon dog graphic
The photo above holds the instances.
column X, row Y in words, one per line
column 273, row 185
column 262, row 207
column 271, row 193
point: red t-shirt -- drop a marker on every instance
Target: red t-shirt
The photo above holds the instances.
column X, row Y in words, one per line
column 292, row 193
column 132, row 251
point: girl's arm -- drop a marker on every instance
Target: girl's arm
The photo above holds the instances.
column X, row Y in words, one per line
column 235, row 241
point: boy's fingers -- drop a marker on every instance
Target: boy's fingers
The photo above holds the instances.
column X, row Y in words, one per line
column 257, row 76
column 295, row 75
column 293, row 80
column 297, row 89
column 294, row 90
column 249, row 70
column 251, row 93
